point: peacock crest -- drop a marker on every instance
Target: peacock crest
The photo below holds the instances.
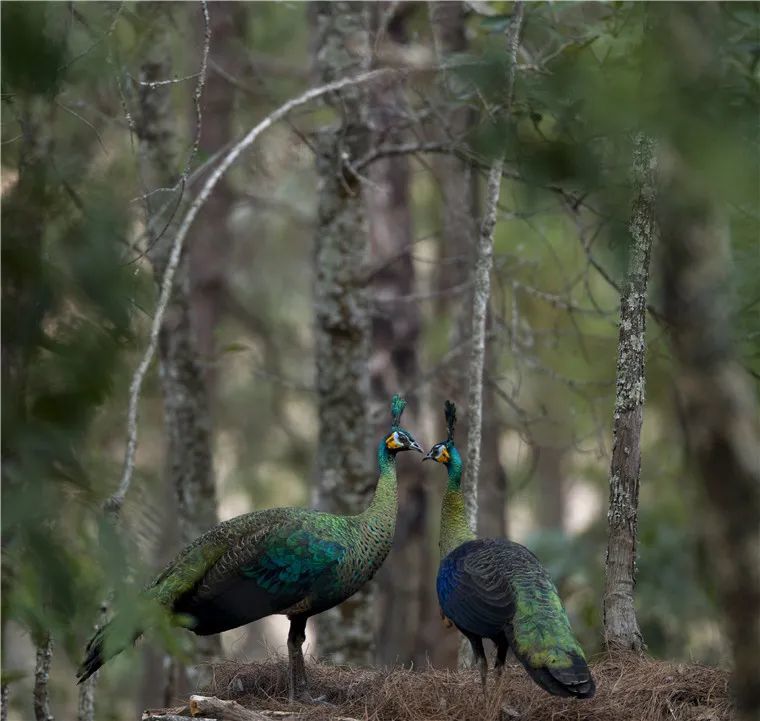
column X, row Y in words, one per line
column 397, row 408
column 450, row 412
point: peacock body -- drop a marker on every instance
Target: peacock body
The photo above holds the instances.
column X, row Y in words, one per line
column 291, row 561
column 496, row 589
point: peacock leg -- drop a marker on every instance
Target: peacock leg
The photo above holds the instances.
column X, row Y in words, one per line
column 480, row 656
column 502, row 646
column 297, row 683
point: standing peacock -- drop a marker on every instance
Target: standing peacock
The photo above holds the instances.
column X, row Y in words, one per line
column 291, row 561
column 497, row 589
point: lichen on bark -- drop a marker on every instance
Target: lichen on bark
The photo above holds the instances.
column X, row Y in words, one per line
column 345, row 467
column 621, row 628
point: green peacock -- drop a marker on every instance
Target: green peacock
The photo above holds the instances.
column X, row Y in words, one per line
column 292, row 561
column 497, row 589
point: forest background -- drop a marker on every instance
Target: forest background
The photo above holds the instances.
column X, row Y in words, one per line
column 103, row 150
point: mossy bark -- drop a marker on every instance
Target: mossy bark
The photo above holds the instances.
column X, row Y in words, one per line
column 345, row 475
column 621, row 628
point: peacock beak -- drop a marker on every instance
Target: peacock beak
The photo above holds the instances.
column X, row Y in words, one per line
column 416, row 447
column 429, row 456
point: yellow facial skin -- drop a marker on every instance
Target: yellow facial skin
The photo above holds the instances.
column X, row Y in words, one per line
column 392, row 442
column 443, row 456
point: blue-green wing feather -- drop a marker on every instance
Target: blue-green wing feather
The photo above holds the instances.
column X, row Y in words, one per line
column 268, row 572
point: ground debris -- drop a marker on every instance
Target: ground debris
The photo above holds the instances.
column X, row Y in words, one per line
column 629, row 688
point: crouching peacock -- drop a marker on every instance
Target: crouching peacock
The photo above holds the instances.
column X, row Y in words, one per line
column 497, row 589
column 290, row 561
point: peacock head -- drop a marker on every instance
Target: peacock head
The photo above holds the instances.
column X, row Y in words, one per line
column 444, row 451
column 400, row 439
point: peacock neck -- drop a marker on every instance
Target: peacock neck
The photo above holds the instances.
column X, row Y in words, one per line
column 382, row 509
column 454, row 527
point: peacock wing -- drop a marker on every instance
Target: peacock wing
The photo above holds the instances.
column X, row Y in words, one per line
column 269, row 570
column 473, row 589
column 493, row 586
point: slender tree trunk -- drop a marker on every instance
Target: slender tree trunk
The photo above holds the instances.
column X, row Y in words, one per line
column 552, row 494
column 720, row 415
column 481, row 294
column 4, row 702
column 403, row 594
column 187, row 420
column 493, row 486
column 208, row 254
column 621, row 629
column 342, row 328
column 41, row 694
column 458, row 185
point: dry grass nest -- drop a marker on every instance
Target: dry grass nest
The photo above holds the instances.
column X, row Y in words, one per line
column 628, row 688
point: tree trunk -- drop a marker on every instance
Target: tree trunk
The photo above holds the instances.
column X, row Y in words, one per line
column 342, row 328
column 209, row 243
column 404, row 597
column 493, row 485
column 41, row 694
column 187, row 421
column 621, row 629
column 481, row 295
column 552, row 494
column 458, row 187
column 720, row 415
column 458, row 184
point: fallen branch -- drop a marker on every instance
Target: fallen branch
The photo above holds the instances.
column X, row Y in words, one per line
column 219, row 709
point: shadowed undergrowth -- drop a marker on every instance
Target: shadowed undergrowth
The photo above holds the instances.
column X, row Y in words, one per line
column 628, row 688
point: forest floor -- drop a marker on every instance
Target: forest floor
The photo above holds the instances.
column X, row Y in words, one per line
column 628, row 689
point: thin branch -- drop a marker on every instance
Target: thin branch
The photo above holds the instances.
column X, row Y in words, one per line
column 152, row 84
column 85, row 121
column 107, row 35
column 115, row 502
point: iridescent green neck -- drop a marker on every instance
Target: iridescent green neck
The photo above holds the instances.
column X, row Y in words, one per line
column 385, row 501
column 454, row 528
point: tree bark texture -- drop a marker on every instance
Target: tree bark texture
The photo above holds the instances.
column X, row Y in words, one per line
column 481, row 295
column 209, row 243
column 621, row 629
column 345, row 463
column 457, row 183
column 40, row 693
column 188, row 427
column 404, row 597
column 189, row 452
column 720, row 415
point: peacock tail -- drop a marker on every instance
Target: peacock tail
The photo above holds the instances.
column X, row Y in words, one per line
column 291, row 561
